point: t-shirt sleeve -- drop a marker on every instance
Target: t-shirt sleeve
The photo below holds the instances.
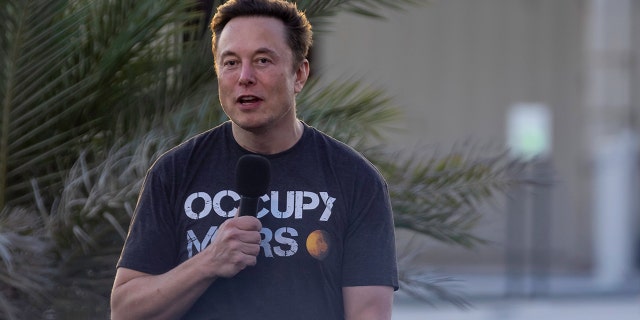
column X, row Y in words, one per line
column 150, row 245
column 369, row 253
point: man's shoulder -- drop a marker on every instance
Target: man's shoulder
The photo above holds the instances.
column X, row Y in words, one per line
column 205, row 137
column 194, row 145
column 200, row 140
column 324, row 140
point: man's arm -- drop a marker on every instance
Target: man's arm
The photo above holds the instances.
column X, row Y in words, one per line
column 367, row 302
column 137, row 295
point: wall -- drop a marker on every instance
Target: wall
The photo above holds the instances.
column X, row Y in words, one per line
column 455, row 67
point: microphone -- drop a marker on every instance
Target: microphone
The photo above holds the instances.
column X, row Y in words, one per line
column 253, row 173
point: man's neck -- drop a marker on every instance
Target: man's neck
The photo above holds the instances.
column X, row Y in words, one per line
column 270, row 141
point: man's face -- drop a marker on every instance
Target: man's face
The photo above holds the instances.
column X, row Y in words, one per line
column 256, row 80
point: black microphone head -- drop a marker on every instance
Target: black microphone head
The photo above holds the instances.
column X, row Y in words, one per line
column 253, row 173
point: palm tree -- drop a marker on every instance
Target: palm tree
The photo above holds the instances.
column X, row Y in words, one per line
column 93, row 92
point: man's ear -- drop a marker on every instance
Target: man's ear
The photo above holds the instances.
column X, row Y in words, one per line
column 302, row 74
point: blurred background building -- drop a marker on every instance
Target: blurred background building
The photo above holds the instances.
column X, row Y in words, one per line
column 554, row 79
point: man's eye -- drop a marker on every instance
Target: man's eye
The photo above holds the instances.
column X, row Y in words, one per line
column 229, row 63
column 263, row 60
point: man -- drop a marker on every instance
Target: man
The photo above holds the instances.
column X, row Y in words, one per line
column 322, row 244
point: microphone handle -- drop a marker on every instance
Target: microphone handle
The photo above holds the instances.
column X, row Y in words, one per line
column 248, row 206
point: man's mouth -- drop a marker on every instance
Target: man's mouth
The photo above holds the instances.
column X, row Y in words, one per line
column 247, row 99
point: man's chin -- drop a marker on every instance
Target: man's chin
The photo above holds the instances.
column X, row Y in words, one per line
column 254, row 127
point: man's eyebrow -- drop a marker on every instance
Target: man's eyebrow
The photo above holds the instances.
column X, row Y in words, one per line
column 265, row 50
column 262, row 50
column 226, row 53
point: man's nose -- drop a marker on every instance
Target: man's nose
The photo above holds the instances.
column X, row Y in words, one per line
column 247, row 75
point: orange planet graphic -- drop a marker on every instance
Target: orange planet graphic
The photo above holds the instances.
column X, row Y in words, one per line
column 318, row 243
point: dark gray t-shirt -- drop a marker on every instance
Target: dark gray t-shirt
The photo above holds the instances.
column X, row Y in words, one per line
column 326, row 224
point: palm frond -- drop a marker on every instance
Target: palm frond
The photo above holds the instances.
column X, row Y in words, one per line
column 441, row 196
column 71, row 69
column 420, row 281
column 91, row 218
column 348, row 110
column 27, row 269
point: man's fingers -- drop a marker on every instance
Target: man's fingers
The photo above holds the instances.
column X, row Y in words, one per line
column 251, row 249
column 246, row 223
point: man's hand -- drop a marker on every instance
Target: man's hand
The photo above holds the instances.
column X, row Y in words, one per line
column 235, row 246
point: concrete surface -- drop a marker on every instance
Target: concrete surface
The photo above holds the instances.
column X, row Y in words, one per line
column 563, row 298
column 609, row 308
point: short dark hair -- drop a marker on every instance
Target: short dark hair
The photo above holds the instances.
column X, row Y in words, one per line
column 299, row 34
